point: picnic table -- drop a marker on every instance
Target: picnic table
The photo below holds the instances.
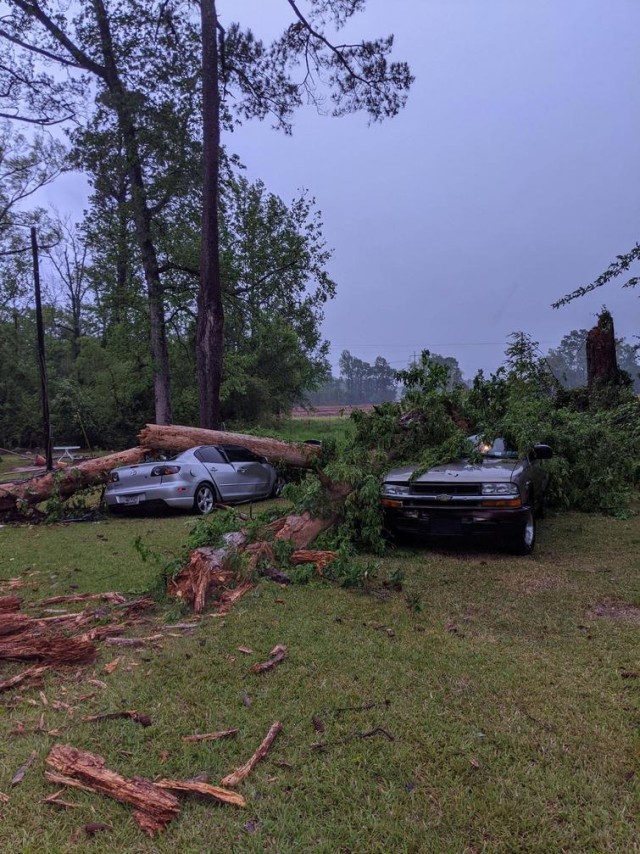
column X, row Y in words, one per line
column 66, row 451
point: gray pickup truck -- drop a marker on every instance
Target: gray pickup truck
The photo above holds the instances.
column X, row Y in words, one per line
column 499, row 497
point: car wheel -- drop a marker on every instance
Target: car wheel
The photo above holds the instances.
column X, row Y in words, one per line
column 524, row 542
column 205, row 499
column 278, row 487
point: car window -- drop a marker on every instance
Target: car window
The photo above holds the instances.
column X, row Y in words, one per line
column 209, row 454
column 238, row 454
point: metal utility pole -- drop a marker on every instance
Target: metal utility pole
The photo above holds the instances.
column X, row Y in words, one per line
column 41, row 358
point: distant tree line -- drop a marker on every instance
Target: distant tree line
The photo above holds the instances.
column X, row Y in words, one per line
column 377, row 382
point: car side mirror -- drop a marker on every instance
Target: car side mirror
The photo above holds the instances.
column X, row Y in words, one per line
column 542, row 452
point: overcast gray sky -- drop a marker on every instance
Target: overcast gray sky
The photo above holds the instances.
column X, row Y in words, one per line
column 511, row 177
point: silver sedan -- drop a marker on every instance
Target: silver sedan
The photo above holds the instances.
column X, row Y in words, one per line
column 196, row 479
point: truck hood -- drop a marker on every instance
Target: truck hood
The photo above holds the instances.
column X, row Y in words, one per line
column 459, row 471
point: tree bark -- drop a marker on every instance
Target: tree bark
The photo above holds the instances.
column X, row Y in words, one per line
column 16, row 496
column 176, row 438
column 602, row 363
column 210, row 323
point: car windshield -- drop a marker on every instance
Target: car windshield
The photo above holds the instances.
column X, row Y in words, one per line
column 499, row 449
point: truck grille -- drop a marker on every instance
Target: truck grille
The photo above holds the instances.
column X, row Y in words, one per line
column 446, row 489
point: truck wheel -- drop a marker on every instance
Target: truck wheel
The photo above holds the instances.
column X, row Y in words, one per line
column 523, row 543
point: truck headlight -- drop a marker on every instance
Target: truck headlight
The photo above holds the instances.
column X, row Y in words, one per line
column 394, row 489
column 500, row 489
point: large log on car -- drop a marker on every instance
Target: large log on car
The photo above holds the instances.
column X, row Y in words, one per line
column 175, row 438
column 18, row 496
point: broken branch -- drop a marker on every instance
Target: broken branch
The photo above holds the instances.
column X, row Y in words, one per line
column 239, row 774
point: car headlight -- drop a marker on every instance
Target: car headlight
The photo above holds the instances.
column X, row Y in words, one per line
column 500, row 489
column 394, row 489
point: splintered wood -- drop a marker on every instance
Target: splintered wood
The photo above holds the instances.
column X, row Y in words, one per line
column 154, row 804
column 239, row 774
column 216, row 792
column 67, row 638
column 320, row 559
column 30, row 674
column 207, row 575
column 154, row 807
column 9, row 603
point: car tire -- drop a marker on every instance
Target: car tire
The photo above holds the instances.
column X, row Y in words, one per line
column 524, row 542
column 278, row 486
column 205, row 499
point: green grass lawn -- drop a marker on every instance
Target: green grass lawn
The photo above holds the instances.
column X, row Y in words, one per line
column 301, row 429
column 512, row 710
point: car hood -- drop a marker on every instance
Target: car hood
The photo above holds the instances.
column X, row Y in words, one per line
column 460, row 471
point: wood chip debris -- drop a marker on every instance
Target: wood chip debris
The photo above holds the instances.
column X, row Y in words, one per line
column 110, row 666
column 239, row 774
column 18, row 777
column 30, row 674
column 276, row 656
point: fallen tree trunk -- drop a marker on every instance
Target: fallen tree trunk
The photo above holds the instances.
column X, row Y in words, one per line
column 18, row 496
column 175, row 438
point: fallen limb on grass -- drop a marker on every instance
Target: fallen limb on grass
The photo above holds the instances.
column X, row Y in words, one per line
column 154, row 807
column 131, row 714
column 276, row 657
column 239, row 774
column 210, row 736
column 216, row 792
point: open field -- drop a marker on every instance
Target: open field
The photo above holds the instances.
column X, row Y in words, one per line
column 510, row 687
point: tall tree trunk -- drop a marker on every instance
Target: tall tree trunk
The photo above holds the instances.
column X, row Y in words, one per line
column 142, row 221
column 602, row 364
column 210, row 324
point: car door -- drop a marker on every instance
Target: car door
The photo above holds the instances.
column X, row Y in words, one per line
column 253, row 477
column 222, row 473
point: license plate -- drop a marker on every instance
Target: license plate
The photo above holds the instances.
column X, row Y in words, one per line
column 130, row 499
